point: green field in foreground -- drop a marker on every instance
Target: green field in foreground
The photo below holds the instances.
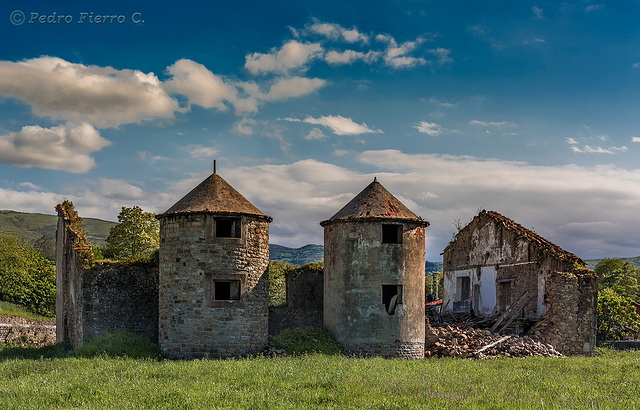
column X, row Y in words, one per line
column 611, row 380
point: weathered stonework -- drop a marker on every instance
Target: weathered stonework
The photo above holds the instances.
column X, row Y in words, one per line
column 120, row 297
column 304, row 306
column 570, row 322
column 493, row 261
column 193, row 324
column 105, row 298
column 374, row 276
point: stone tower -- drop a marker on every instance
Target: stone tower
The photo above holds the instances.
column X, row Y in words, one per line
column 214, row 256
column 374, row 255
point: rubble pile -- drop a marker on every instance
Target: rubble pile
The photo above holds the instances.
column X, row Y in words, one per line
column 450, row 341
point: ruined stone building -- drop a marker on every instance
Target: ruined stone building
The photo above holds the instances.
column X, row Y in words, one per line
column 493, row 261
column 105, row 298
column 374, row 276
column 214, row 256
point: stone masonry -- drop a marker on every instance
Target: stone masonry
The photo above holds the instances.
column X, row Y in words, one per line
column 193, row 325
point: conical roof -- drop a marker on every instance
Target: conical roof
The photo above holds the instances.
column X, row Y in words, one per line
column 214, row 195
column 374, row 202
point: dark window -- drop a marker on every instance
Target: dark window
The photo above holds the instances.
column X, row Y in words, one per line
column 391, row 233
column 228, row 228
column 391, row 297
column 226, row 289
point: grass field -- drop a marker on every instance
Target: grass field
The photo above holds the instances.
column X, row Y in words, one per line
column 11, row 309
column 611, row 380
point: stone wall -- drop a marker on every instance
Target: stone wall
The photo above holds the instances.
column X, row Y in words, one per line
column 570, row 321
column 25, row 332
column 192, row 324
column 68, row 284
column 120, row 297
column 105, row 298
column 359, row 273
column 304, row 301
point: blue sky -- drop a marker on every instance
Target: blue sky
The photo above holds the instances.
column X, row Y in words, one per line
column 526, row 108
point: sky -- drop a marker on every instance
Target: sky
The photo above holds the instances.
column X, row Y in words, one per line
column 527, row 108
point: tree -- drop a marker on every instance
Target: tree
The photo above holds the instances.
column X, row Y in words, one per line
column 617, row 318
column 135, row 236
column 620, row 277
column 26, row 277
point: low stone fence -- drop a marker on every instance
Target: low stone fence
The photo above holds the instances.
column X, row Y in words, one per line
column 25, row 332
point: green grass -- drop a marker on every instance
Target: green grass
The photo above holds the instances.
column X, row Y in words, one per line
column 610, row 380
column 11, row 309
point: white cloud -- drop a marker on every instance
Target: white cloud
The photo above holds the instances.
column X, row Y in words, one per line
column 336, row 32
column 285, row 88
column 199, row 151
column 351, row 56
column 396, row 56
column 433, row 100
column 442, row 55
column 492, row 123
column 593, row 7
column 200, row 85
column 635, row 65
column 30, row 185
column 316, row 134
column 64, row 148
column 119, row 189
column 537, row 13
column 635, row 139
column 291, row 56
column 244, row 127
column 146, row 156
column 340, row 152
column 338, row 124
column 102, row 96
column 429, row 128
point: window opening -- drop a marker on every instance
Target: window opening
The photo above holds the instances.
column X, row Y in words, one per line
column 391, row 233
column 228, row 228
column 464, row 288
column 391, row 297
column 226, row 290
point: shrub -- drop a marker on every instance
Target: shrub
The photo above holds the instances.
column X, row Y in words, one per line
column 278, row 282
column 26, row 277
column 306, row 339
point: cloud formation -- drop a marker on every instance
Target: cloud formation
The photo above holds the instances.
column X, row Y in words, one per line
column 337, row 32
column 429, row 128
column 101, row 96
column 64, row 148
column 338, row 124
column 293, row 55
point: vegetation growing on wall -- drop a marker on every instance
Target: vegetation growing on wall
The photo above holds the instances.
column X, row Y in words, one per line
column 278, row 282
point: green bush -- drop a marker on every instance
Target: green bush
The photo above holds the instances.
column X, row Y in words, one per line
column 617, row 318
column 306, row 339
column 26, row 277
column 119, row 344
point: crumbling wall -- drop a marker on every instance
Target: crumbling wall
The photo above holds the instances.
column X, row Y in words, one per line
column 304, row 306
column 570, row 321
column 68, row 284
column 105, row 298
column 119, row 296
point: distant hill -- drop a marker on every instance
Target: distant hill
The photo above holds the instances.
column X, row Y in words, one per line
column 33, row 226
column 299, row 256
column 635, row 261
column 432, row 267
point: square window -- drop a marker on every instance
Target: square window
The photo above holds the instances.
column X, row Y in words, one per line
column 391, row 233
column 391, row 297
column 226, row 290
column 228, row 228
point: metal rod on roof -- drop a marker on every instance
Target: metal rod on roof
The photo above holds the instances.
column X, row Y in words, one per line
column 214, row 166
